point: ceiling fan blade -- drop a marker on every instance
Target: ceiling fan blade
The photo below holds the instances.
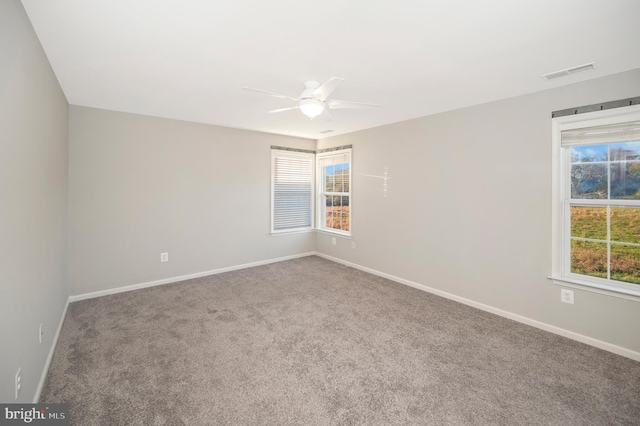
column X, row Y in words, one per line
column 327, row 115
column 336, row 104
column 281, row 109
column 276, row 95
column 327, row 88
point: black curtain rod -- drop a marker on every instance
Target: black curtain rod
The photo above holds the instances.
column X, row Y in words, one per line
column 597, row 107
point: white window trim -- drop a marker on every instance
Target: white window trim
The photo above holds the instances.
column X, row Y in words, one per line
column 294, row 154
column 560, row 263
column 320, row 218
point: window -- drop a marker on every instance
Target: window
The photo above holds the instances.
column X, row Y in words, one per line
column 334, row 191
column 291, row 190
column 293, row 173
column 596, row 201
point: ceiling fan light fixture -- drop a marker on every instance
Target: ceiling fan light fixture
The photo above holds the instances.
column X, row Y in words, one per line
column 314, row 100
column 311, row 107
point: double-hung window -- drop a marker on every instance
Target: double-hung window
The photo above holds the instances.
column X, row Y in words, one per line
column 596, row 201
column 334, row 191
column 292, row 179
column 302, row 179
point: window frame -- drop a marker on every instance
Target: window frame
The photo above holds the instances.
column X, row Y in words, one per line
column 298, row 154
column 561, row 201
column 321, row 193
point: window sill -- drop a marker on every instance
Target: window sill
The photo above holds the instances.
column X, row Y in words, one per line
column 295, row 231
column 595, row 287
column 304, row 231
column 338, row 233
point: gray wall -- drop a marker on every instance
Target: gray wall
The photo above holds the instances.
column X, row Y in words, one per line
column 468, row 209
column 33, row 193
column 140, row 186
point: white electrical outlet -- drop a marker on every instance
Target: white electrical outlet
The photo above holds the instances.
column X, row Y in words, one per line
column 40, row 333
column 566, row 296
column 164, row 257
column 333, row 241
column 18, row 381
column 353, row 244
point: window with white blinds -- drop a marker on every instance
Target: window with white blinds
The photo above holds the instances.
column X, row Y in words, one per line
column 596, row 203
column 291, row 190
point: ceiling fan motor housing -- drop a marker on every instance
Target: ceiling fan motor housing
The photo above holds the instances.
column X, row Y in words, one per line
column 310, row 88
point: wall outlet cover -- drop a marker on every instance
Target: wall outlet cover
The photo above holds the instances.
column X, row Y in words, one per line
column 566, row 296
column 18, row 381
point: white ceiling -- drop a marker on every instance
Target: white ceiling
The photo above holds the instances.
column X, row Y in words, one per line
column 189, row 59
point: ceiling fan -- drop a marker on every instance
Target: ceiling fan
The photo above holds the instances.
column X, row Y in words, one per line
column 314, row 99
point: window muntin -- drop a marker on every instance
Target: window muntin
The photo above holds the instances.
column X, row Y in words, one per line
column 605, row 237
column 291, row 191
column 334, row 191
column 606, row 171
column 605, row 242
column 597, row 200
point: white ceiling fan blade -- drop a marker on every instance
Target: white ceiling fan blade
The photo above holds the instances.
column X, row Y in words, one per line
column 277, row 95
column 336, row 104
column 327, row 88
column 282, row 109
column 327, row 115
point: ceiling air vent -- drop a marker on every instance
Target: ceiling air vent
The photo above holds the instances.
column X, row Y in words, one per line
column 569, row 71
column 327, row 131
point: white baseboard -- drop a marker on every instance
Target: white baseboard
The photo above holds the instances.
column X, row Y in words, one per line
column 182, row 278
column 47, row 363
column 524, row 320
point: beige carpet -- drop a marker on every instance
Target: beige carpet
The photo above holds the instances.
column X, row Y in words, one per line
column 312, row 342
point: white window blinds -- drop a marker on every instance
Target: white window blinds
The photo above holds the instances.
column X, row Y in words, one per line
column 344, row 157
column 291, row 190
column 621, row 132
